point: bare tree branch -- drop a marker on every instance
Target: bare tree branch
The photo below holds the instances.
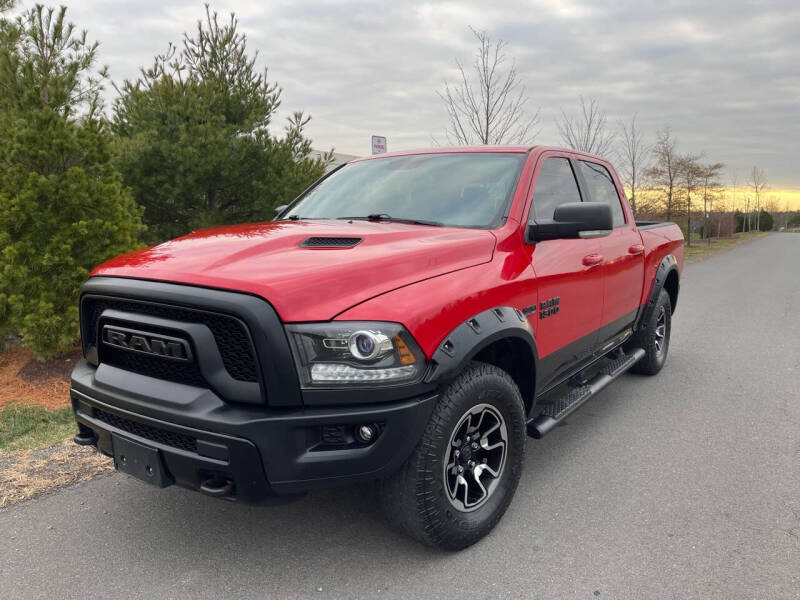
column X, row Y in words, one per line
column 586, row 132
column 491, row 109
column 666, row 170
column 758, row 183
column 633, row 154
column 691, row 176
column 712, row 188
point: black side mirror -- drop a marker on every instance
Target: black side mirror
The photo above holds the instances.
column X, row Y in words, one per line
column 279, row 210
column 574, row 220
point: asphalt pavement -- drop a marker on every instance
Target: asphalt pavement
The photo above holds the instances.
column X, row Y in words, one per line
column 683, row 485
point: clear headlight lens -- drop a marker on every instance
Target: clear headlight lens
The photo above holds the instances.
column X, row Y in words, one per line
column 355, row 353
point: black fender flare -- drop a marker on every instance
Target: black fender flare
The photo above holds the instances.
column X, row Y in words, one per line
column 476, row 333
column 667, row 265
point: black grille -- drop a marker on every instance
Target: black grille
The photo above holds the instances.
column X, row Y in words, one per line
column 229, row 332
column 148, row 432
column 180, row 372
column 331, row 242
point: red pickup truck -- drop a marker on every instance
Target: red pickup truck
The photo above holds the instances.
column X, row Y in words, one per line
column 408, row 319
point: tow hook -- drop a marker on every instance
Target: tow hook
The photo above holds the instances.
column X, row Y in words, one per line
column 217, row 487
column 85, row 436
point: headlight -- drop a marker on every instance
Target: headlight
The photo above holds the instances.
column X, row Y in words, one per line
column 355, row 353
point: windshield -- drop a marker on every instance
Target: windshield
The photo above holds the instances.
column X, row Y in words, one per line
column 459, row 189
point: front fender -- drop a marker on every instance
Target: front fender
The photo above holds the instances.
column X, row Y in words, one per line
column 476, row 333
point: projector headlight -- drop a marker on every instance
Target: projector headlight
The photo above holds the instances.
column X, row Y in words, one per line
column 355, row 353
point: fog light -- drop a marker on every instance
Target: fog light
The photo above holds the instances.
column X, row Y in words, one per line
column 366, row 433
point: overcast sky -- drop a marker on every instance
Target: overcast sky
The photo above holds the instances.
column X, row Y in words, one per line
column 724, row 74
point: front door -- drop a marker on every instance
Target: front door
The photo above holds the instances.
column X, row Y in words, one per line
column 568, row 278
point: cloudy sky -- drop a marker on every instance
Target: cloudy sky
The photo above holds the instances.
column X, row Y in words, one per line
column 724, row 74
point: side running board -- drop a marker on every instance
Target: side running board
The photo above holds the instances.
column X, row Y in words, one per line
column 553, row 414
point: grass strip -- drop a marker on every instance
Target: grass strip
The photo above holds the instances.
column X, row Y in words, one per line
column 701, row 249
column 26, row 426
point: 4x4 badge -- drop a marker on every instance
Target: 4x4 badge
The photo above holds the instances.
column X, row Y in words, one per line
column 147, row 343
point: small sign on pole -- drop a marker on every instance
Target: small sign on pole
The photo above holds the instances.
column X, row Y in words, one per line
column 378, row 144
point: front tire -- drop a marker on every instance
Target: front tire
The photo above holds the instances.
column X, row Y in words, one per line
column 461, row 477
column 653, row 336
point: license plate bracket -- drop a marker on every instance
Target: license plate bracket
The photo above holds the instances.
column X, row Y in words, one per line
column 140, row 461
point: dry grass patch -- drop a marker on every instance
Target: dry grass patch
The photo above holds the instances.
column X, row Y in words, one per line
column 31, row 473
column 701, row 249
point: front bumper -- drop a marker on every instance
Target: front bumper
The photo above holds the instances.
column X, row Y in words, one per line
column 242, row 452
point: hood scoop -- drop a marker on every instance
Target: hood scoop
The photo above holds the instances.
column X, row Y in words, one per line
column 331, row 242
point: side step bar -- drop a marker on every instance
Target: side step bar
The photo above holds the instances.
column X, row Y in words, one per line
column 553, row 414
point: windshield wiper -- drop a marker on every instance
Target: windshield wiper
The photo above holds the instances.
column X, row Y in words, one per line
column 391, row 219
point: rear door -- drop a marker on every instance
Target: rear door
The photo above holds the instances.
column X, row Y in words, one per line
column 622, row 251
column 568, row 278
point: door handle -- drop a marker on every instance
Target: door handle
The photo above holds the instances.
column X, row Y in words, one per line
column 636, row 249
column 591, row 260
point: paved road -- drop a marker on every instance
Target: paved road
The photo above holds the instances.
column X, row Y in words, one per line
column 681, row 486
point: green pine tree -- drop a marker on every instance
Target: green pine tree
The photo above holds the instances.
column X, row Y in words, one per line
column 63, row 206
column 195, row 144
column 766, row 222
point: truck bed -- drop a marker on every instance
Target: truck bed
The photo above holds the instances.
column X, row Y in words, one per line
column 652, row 224
column 659, row 239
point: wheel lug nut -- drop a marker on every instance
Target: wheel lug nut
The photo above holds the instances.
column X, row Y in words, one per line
column 457, row 453
column 475, row 445
column 471, row 464
column 460, row 469
column 468, row 439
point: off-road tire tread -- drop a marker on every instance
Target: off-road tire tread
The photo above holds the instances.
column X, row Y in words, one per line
column 650, row 364
column 408, row 497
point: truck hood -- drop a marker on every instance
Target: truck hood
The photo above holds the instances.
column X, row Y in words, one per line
column 306, row 283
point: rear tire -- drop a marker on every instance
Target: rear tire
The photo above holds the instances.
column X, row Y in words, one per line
column 461, row 477
column 653, row 336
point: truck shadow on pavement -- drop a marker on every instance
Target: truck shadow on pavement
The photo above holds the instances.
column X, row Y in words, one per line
column 326, row 531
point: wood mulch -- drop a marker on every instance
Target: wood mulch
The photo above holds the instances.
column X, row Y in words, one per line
column 31, row 473
column 25, row 380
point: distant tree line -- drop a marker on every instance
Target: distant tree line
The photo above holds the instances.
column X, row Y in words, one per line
column 661, row 180
column 185, row 145
column 190, row 143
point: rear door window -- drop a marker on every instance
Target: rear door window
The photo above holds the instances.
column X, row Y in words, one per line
column 555, row 186
column 601, row 188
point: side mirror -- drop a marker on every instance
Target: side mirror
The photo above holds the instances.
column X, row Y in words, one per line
column 279, row 210
column 574, row 220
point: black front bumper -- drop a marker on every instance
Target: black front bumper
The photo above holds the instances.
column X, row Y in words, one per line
column 242, row 452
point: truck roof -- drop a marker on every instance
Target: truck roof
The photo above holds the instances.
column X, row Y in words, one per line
column 479, row 149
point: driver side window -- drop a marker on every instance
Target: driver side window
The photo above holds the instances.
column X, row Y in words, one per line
column 554, row 186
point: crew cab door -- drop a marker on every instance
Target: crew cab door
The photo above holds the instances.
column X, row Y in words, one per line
column 622, row 251
column 568, row 278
